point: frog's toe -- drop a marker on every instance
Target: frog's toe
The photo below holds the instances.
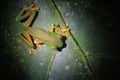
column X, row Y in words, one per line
column 32, row 50
column 40, row 46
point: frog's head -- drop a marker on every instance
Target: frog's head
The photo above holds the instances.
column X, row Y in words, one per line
column 62, row 44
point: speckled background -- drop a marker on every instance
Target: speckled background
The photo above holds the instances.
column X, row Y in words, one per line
column 94, row 24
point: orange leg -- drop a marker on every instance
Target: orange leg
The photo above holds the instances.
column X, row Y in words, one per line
column 39, row 42
column 30, row 19
column 27, row 39
column 27, row 13
column 64, row 32
column 59, row 30
column 32, row 9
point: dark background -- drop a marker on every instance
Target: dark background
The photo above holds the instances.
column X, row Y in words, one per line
column 106, row 13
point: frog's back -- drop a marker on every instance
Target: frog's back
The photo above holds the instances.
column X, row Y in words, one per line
column 51, row 39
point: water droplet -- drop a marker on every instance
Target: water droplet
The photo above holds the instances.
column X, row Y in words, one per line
column 75, row 4
column 41, row 64
column 76, row 60
column 67, row 67
column 72, row 13
column 67, row 14
column 87, row 53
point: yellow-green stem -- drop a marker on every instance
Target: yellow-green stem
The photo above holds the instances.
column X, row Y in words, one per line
column 50, row 64
column 73, row 40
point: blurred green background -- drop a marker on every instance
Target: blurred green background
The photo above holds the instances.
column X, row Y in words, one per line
column 94, row 24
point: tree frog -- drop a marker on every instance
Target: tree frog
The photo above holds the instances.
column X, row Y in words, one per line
column 55, row 38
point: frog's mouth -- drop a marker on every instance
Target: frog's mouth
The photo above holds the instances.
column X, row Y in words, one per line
column 63, row 45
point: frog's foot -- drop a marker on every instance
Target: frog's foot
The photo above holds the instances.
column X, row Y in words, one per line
column 39, row 42
column 32, row 50
column 64, row 32
column 31, row 13
column 33, row 7
column 56, row 28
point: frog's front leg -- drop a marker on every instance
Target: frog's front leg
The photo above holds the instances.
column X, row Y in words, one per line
column 56, row 28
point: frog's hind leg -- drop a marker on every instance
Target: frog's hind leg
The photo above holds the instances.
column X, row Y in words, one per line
column 30, row 19
column 32, row 16
column 39, row 42
column 28, row 40
column 27, row 15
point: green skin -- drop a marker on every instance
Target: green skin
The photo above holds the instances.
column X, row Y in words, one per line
column 51, row 39
column 29, row 34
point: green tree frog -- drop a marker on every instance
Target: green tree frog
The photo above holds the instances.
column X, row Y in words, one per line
column 55, row 38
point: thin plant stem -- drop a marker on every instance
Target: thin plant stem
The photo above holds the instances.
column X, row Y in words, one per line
column 50, row 64
column 72, row 38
